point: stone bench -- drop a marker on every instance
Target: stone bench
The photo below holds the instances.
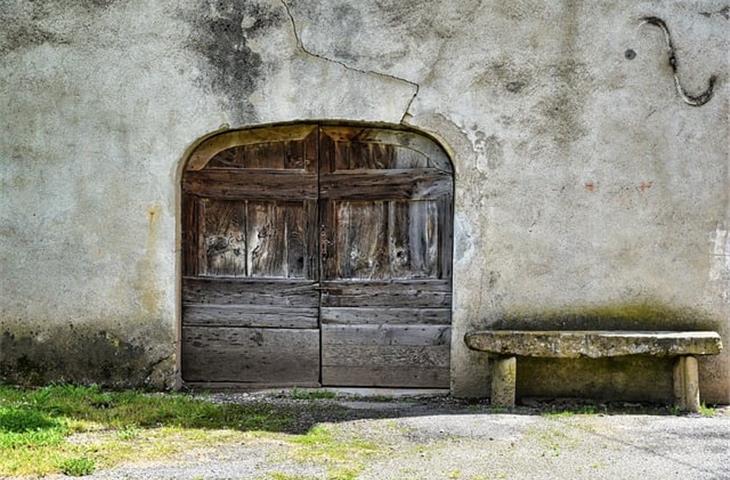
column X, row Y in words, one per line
column 507, row 345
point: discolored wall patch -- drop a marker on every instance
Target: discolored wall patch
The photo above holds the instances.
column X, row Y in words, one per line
column 221, row 33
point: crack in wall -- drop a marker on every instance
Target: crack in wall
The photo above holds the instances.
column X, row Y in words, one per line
column 303, row 49
column 695, row 101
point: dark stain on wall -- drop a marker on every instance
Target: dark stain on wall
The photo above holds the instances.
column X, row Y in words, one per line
column 221, row 32
column 77, row 354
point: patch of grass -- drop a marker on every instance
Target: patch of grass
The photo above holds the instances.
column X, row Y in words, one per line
column 585, row 410
column 77, row 467
column 315, row 394
column 129, row 432
column 38, row 426
column 344, row 457
column 706, row 411
column 288, row 476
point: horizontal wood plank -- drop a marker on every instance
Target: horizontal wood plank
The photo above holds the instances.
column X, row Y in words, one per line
column 410, row 377
column 389, row 315
column 396, row 184
column 385, row 335
column 216, row 144
column 226, row 291
column 411, row 140
column 434, row 356
column 249, row 316
column 413, row 293
column 258, row 184
column 262, row 355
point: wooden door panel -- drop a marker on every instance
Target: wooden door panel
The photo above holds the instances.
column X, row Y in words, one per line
column 250, row 295
column 228, row 291
column 414, row 239
column 386, row 376
column 384, row 315
column 395, row 184
column 276, row 239
column 211, row 315
column 268, row 356
column 418, row 293
column 358, row 355
column 386, row 291
column 254, row 184
column 224, row 239
column 299, row 233
column 360, row 243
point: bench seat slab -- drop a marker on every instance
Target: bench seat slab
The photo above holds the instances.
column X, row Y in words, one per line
column 593, row 343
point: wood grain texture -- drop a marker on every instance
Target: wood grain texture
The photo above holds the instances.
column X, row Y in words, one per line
column 277, row 316
column 385, row 315
column 245, row 291
column 413, row 239
column 341, row 227
column 264, row 355
column 412, row 293
column 420, row 144
column 224, row 239
column 396, row 184
column 218, row 143
column 411, row 377
column 386, row 335
column 416, row 355
column 253, row 184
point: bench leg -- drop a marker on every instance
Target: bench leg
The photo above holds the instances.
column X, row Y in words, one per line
column 686, row 384
column 504, row 376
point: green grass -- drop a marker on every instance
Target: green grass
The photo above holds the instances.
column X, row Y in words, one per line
column 77, row 467
column 317, row 394
column 706, row 411
column 585, row 410
column 77, row 430
column 345, row 457
column 36, row 424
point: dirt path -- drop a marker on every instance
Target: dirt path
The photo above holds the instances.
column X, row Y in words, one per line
column 440, row 439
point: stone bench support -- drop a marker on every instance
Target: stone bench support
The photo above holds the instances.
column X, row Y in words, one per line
column 504, row 381
column 505, row 346
column 687, row 383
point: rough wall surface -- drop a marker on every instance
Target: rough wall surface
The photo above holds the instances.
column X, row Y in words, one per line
column 588, row 193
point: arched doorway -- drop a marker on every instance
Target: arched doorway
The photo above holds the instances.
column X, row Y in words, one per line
column 317, row 255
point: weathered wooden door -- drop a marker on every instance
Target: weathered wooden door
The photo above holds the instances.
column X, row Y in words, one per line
column 306, row 246
column 385, row 247
column 250, row 286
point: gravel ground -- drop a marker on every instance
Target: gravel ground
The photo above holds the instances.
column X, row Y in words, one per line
column 439, row 438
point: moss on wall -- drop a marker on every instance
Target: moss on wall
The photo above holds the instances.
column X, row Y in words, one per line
column 84, row 354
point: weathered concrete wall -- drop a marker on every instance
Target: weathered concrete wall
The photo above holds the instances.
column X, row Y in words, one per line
column 588, row 194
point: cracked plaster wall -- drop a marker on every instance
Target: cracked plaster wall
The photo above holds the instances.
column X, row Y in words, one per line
column 588, row 194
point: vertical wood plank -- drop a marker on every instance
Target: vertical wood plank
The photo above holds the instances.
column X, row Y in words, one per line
column 200, row 248
column 413, row 239
column 266, row 243
column 311, row 245
column 446, row 235
column 360, row 156
column 190, row 234
column 361, row 242
column 295, row 221
column 225, row 251
column 382, row 155
column 341, row 157
column 294, row 155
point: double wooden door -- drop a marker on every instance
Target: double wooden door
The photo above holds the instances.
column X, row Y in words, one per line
column 317, row 255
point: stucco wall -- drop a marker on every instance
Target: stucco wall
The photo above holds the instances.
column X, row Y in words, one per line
column 588, row 194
